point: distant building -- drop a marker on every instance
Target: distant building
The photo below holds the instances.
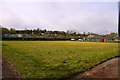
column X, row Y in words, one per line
column 100, row 38
column 12, row 35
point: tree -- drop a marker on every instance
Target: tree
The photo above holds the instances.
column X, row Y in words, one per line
column 12, row 31
column 4, row 31
column 113, row 33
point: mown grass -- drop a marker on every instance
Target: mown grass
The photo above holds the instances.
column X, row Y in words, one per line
column 56, row 59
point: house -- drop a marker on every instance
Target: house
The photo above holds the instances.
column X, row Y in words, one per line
column 100, row 38
column 94, row 37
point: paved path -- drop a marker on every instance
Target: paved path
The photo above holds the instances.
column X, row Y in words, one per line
column 108, row 69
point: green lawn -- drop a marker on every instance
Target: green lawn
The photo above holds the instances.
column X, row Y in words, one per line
column 56, row 59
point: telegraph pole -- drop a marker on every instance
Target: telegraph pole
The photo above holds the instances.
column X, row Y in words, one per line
column 118, row 39
column 119, row 19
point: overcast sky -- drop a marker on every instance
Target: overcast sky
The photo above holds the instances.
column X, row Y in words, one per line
column 98, row 17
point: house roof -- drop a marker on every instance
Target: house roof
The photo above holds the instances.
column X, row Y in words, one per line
column 99, row 37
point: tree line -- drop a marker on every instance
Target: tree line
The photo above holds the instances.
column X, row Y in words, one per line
column 39, row 34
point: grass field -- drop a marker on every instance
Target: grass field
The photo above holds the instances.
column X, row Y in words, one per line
column 56, row 59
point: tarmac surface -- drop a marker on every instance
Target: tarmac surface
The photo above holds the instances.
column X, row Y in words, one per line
column 108, row 69
column 8, row 72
